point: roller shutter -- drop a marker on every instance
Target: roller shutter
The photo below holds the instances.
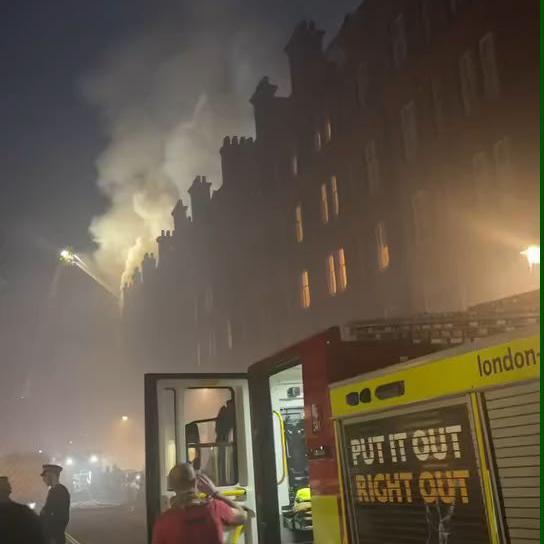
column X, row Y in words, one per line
column 514, row 421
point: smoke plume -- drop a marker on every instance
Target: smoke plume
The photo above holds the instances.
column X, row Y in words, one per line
column 168, row 95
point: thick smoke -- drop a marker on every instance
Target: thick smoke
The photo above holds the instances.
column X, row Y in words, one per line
column 168, row 96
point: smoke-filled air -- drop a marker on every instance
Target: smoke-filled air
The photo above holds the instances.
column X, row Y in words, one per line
column 168, row 96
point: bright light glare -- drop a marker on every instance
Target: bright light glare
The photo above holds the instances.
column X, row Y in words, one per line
column 67, row 256
column 138, row 477
column 124, row 418
column 31, row 505
column 532, row 254
column 93, row 459
column 69, row 461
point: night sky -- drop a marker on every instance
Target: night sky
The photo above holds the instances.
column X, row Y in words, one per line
column 84, row 86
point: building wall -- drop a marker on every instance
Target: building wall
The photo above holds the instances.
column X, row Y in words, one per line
column 434, row 152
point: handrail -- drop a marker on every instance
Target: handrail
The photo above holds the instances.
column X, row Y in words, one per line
column 283, row 447
column 236, row 492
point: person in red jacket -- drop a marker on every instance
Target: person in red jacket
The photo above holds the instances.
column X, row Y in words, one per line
column 191, row 519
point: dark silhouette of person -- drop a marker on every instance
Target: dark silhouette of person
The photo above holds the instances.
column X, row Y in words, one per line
column 18, row 523
column 56, row 512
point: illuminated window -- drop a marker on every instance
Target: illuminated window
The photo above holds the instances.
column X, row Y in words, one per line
column 335, row 197
column 324, row 204
column 342, row 270
column 331, row 274
column 317, row 140
column 382, row 246
column 399, row 40
column 489, row 66
column 372, row 167
column 409, row 130
column 305, row 289
column 469, row 81
column 294, row 165
column 229, row 333
column 298, row 219
column 503, row 161
column 328, row 130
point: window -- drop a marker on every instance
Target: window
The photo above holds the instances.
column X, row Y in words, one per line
column 503, row 161
column 426, row 20
column 481, row 170
column 229, row 333
column 409, row 130
column 455, row 5
column 212, row 346
column 317, row 140
column 438, row 106
column 294, row 164
column 421, row 211
column 399, row 41
column 337, row 275
column 469, row 83
column 382, row 246
column 342, row 270
column 328, row 130
column 331, row 274
column 362, row 84
column 208, row 300
column 298, row 219
column 372, row 167
column 489, row 66
column 334, row 196
column 305, row 289
column 324, row 204
column 210, row 432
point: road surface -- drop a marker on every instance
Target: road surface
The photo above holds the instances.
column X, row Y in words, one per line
column 106, row 526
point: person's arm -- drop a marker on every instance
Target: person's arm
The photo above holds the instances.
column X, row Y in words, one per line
column 238, row 515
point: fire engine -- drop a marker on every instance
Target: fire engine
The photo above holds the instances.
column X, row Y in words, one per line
column 409, row 430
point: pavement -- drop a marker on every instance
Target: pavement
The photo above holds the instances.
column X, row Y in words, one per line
column 106, row 525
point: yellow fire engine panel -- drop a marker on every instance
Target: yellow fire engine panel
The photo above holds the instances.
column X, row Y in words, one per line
column 504, row 363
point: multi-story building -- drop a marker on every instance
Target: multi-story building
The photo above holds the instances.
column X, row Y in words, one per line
column 400, row 176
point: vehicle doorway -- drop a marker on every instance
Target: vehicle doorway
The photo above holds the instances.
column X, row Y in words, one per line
column 290, row 449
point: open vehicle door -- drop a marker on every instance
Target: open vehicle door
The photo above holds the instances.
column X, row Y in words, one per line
column 203, row 419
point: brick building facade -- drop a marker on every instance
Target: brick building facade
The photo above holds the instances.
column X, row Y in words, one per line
column 401, row 175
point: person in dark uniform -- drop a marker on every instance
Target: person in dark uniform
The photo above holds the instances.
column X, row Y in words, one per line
column 18, row 523
column 56, row 511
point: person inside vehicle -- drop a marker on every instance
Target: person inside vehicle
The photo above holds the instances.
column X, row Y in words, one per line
column 191, row 519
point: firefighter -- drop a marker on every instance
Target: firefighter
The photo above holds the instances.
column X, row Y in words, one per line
column 56, row 511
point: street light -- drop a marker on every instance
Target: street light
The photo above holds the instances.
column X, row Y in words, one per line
column 532, row 254
column 69, row 461
column 93, row 459
column 124, row 418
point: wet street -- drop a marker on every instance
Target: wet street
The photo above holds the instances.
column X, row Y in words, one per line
column 106, row 526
